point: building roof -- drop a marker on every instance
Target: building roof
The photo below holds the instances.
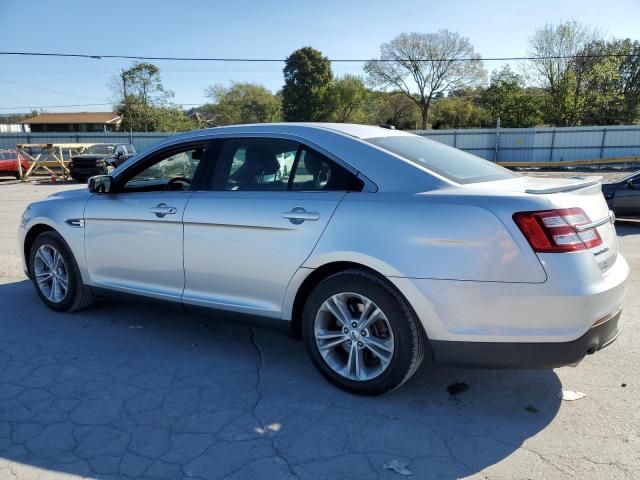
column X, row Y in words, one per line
column 74, row 117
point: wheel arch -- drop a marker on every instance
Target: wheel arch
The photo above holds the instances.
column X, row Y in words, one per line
column 317, row 275
column 31, row 236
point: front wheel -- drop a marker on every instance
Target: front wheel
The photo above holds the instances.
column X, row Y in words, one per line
column 55, row 274
column 361, row 334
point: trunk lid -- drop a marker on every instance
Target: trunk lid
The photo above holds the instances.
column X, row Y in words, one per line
column 582, row 192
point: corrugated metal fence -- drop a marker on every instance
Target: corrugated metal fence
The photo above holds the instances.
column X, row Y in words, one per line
column 504, row 145
column 543, row 144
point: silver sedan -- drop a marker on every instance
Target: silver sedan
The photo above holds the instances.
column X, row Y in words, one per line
column 377, row 247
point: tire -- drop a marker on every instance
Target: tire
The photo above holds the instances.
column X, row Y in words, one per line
column 76, row 295
column 395, row 325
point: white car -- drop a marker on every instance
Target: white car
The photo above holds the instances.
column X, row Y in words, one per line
column 378, row 247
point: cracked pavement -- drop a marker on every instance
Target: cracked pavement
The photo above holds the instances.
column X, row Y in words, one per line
column 129, row 391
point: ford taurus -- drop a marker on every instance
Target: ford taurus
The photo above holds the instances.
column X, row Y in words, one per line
column 377, row 247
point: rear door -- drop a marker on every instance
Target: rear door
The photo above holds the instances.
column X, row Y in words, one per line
column 267, row 206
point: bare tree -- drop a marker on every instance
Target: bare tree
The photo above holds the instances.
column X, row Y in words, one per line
column 556, row 47
column 421, row 65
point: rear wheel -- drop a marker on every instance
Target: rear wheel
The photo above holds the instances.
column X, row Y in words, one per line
column 361, row 334
column 55, row 274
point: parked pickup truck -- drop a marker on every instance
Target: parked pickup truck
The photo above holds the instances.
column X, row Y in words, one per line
column 99, row 159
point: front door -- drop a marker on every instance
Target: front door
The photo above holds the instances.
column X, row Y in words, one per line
column 270, row 201
column 134, row 237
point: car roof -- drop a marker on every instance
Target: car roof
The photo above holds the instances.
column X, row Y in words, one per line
column 351, row 129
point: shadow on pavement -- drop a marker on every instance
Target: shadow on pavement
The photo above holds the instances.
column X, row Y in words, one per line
column 124, row 391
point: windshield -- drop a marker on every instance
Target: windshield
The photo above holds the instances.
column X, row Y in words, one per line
column 449, row 162
column 100, row 149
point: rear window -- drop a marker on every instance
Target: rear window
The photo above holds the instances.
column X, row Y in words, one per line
column 449, row 162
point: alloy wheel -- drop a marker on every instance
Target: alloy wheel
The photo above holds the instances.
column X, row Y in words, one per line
column 51, row 273
column 354, row 336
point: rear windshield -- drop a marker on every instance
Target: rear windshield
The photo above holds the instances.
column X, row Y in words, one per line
column 449, row 162
column 100, row 149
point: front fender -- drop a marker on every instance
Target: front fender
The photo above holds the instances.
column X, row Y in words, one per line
column 59, row 214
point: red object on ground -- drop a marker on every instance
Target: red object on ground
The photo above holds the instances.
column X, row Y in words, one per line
column 54, row 179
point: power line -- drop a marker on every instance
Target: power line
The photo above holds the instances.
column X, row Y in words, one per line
column 47, row 90
column 37, row 107
column 336, row 60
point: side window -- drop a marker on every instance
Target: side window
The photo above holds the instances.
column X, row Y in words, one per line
column 256, row 164
column 173, row 171
column 316, row 172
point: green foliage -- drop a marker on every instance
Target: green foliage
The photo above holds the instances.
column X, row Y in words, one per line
column 457, row 111
column 242, row 103
column 392, row 108
column 556, row 47
column 611, row 82
column 144, row 104
column 348, row 96
column 508, row 99
column 307, row 88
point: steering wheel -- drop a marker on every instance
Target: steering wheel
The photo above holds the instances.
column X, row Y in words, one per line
column 184, row 180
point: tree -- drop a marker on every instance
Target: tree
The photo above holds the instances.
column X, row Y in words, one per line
column 427, row 64
column 144, row 103
column 243, row 103
column 307, row 83
column 392, row 108
column 612, row 81
column 630, row 80
column 348, row 97
column 556, row 48
column 457, row 111
column 508, row 99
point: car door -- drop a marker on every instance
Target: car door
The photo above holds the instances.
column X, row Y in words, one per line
column 264, row 213
column 626, row 202
column 134, row 236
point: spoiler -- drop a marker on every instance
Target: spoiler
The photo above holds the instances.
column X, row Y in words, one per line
column 576, row 184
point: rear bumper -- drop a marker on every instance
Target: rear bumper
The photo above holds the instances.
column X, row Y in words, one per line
column 527, row 355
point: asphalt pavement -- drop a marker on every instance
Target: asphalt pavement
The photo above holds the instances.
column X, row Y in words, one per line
column 136, row 391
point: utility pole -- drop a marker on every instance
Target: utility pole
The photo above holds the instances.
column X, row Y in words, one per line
column 127, row 106
column 496, row 154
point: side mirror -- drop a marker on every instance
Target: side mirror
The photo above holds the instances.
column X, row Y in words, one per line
column 100, row 184
column 630, row 183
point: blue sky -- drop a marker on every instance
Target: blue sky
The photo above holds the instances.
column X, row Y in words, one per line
column 243, row 28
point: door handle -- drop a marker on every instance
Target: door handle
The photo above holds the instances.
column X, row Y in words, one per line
column 162, row 209
column 298, row 215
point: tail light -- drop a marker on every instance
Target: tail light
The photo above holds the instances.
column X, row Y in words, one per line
column 559, row 230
